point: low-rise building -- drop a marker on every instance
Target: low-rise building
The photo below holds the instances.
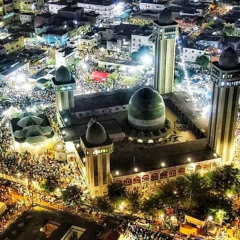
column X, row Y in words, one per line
column 65, row 56
column 190, row 54
column 106, row 8
column 12, row 43
column 153, row 5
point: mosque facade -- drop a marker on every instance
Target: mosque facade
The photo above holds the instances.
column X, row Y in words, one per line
column 133, row 136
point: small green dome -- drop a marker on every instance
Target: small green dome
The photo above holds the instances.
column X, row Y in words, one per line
column 63, row 76
column 146, row 109
column 95, row 134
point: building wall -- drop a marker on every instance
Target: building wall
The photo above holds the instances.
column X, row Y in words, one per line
column 54, row 8
column 106, row 11
column 151, row 179
column 165, row 58
column 151, row 6
column 223, row 118
column 14, row 46
column 138, row 41
column 191, row 54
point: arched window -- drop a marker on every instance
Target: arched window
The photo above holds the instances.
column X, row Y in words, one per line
column 154, row 176
column 127, row 181
column 172, row 173
column 163, row 175
column 145, row 178
column 198, row 168
column 137, row 180
column 181, row 171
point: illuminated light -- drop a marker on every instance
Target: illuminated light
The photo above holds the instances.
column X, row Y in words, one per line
column 175, row 192
column 63, row 132
column 117, row 173
column 162, row 215
column 229, row 195
column 21, row 77
column 147, row 59
column 84, row 66
column 210, row 218
column 78, row 145
column 189, row 159
column 215, row 155
column 135, row 169
column 65, row 120
column 163, row 164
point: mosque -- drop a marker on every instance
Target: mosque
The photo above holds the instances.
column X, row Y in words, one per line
column 143, row 138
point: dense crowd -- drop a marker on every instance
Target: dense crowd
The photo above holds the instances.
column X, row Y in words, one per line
column 132, row 231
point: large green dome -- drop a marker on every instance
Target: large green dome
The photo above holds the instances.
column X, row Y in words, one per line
column 146, row 109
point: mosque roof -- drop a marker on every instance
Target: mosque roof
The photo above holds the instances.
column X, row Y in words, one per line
column 63, row 76
column 228, row 59
column 165, row 18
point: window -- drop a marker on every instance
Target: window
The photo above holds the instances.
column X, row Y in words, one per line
column 104, row 166
column 95, row 163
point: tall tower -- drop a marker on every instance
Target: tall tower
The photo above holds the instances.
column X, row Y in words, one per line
column 64, row 86
column 166, row 33
column 97, row 148
column 225, row 75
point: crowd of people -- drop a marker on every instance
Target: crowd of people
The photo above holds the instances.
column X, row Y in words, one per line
column 132, row 231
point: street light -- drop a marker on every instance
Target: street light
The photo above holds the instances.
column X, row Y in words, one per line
column 163, row 164
column 117, row 173
column 135, row 169
column 189, row 159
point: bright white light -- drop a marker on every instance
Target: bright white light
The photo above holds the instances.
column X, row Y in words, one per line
column 21, row 77
column 135, row 169
column 146, row 59
column 84, row 66
column 163, row 164
column 117, row 173
column 210, row 218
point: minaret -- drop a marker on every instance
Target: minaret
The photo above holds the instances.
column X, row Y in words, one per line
column 166, row 33
column 225, row 75
column 97, row 148
column 64, row 86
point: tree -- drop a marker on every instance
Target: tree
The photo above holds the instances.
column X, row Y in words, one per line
column 229, row 31
column 190, row 188
column 116, row 192
column 203, row 61
column 102, row 204
column 224, row 178
column 134, row 201
column 151, row 205
column 168, row 194
column 49, row 184
column 72, row 195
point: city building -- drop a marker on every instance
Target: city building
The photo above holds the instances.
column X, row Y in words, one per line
column 133, row 135
column 153, row 5
column 166, row 33
column 64, row 85
column 6, row 13
column 226, row 79
column 97, row 147
column 106, row 8
column 65, row 56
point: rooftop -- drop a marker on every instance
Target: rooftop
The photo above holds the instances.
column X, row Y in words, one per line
column 128, row 155
column 34, row 219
